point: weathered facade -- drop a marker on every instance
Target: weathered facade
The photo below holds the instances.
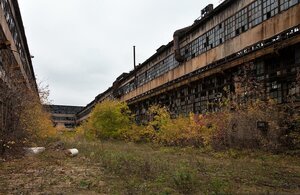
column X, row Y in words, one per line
column 16, row 70
column 201, row 64
column 15, row 55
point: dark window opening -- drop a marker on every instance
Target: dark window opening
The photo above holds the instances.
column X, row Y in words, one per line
column 243, row 28
column 268, row 15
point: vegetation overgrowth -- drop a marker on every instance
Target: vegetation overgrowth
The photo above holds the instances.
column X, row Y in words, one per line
column 24, row 121
column 234, row 125
column 247, row 118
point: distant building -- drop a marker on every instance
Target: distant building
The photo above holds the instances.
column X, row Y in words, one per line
column 63, row 116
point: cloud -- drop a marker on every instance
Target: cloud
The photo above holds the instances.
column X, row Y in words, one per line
column 81, row 46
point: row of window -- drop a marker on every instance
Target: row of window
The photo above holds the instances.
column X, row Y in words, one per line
column 248, row 17
column 63, row 118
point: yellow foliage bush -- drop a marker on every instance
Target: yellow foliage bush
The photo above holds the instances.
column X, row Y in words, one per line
column 36, row 121
column 181, row 131
column 233, row 126
column 108, row 120
column 112, row 119
column 85, row 131
column 138, row 134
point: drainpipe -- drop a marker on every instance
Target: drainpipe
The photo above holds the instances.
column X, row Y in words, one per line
column 177, row 34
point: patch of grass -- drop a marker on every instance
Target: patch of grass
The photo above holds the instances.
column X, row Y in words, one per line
column 184, row 180
column 85, row 184
column 115, row 167
column 218, row 186
column 150, row 169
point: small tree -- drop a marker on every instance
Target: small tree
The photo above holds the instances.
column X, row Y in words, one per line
column 35, row 120
column 109, row 119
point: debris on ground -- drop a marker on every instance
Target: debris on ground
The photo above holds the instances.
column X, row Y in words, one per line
column 34, row 150
column 71, row 152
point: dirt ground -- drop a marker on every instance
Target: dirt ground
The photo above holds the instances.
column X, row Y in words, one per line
column 128, row 168
column 51, row 173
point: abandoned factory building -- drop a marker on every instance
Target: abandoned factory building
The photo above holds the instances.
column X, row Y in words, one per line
column 203, row 61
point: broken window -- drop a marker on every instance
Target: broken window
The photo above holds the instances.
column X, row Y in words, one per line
column 194, row 48
column 255, row 13
column 230, row 28
column 210, row 39
column 285, row 4
column 219, row 34
column 241, row 21
column 270, row 8
column 203, row 45
column 260, row 68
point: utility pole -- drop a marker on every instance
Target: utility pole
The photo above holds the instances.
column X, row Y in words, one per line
column 134, row 65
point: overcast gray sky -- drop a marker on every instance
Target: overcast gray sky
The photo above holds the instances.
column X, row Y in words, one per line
column 81, row 46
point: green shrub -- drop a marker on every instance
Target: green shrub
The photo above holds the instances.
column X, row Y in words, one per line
column 109, row 119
